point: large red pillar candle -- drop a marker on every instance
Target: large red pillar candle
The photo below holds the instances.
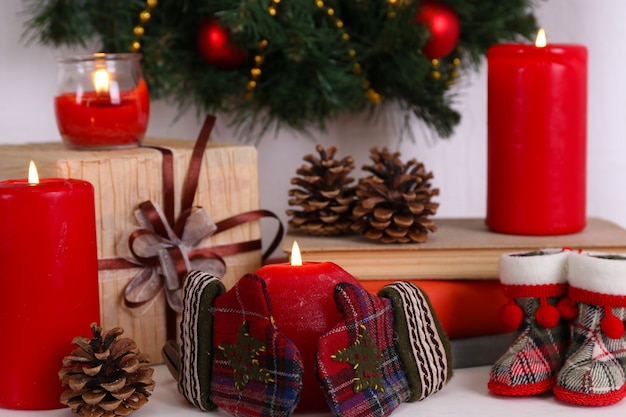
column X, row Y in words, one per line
column 537, row 130
column 303, row 307
column 48, row 285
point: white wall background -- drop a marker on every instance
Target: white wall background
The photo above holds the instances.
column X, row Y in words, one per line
column 28, row 76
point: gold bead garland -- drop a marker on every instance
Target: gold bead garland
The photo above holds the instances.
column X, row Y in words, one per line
column 357, row 69
column 255, row 72
column 272, row 8
column 394, row 4
column 139, row 30
column 453, row 73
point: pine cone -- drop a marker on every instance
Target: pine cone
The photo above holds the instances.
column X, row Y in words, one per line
column 107, row 376
column 326, row 196
column 394, row 204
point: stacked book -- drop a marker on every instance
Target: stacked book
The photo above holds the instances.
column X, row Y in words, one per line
column 458, row 269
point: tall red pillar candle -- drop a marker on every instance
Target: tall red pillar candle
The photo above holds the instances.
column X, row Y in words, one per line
column 303, row 307
column 537, row 134
column 48, row 285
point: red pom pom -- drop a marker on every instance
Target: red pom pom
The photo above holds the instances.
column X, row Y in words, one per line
column 567, row 308
column 612, row 326
column 512, row 315
column 547, row 316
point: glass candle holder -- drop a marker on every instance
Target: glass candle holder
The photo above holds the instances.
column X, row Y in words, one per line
column 102, row 101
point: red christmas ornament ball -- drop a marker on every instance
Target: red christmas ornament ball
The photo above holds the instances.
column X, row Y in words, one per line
column 216, row 47
column 444, row 27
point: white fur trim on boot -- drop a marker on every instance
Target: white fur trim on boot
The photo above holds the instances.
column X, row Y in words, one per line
column 548, row 266
column 602, row 273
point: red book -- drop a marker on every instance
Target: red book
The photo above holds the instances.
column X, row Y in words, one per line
column 465, row 308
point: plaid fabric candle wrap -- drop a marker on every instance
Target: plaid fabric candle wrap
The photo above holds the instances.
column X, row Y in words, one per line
column 257, row 371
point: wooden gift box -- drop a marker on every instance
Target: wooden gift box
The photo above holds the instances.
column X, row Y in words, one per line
column 457, row 267
column 227, row 186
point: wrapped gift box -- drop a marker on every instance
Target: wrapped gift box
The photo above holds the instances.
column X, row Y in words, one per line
column 227, row 186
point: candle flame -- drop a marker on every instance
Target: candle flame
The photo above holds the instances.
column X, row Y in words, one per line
column 101, row 81
column 33, row 175
column 541, row 41
column 296, row 257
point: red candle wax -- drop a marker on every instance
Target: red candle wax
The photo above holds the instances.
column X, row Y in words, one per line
column 303, row 307
column 91, row 119
column 48, row 285
column 537, row 133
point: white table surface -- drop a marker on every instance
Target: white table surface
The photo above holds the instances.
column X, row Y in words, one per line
column 465, row 395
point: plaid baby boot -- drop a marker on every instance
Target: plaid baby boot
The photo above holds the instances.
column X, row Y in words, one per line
column 257, row 370
column 536, row 283
column 593, row 373
column 359, row 363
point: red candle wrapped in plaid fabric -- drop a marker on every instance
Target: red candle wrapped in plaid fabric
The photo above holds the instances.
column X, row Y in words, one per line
column 304, row 309
column 306, row 338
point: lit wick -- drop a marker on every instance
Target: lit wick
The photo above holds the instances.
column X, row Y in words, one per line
column 541, row 41
column 101, row 81
column 33, row 176
column 296, row 257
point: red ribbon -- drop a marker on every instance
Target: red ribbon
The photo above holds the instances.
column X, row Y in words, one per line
column 160, row 229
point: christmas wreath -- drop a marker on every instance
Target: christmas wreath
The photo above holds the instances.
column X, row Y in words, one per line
column 293, row 63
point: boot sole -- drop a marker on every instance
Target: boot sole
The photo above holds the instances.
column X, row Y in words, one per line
column 525, row 390
column 595, row 400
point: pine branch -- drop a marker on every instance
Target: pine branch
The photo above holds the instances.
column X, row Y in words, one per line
column 308, row 74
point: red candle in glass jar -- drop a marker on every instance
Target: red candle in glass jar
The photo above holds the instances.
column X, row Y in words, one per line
column 537, row 134
column 92, row 120
column 48, row 284
column 303, row 307
column 102, row 102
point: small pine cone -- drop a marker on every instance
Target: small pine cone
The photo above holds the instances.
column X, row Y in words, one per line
column 107, row 376
column 394, row 204
column 325, row 195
